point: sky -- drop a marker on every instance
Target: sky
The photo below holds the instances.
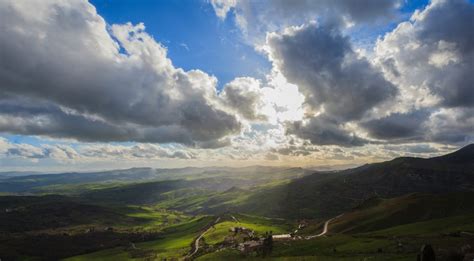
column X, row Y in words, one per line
column 102, row 84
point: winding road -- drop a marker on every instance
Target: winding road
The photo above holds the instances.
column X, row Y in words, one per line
column 325, row 229
column 196, row 241
column 195, row 248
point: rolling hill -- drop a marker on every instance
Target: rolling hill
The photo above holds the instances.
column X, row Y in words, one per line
column 292, row 193
column 158, row 213
column 322, row 195
column 77, row 182
column 377, row 213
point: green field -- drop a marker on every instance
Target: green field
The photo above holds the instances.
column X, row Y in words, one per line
column 260, row 225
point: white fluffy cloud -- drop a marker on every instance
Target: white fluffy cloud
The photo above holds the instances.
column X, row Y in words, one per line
column 433, row 50
column 63, row 74
column 339, row 86
column 244, row 96
column 430, row 58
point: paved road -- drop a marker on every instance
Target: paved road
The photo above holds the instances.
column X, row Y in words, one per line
column 324, row 232
column 325, row 229
column 196, row 241
column 236, row 220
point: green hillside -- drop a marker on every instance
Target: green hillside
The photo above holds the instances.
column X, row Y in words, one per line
column 388, row 209
column 323, row 195
column 376, row 213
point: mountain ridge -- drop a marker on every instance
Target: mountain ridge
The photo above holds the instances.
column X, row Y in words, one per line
column 328, row 194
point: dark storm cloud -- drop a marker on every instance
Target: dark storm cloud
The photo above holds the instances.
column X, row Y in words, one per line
column 452, row 126
column 402, row 126
column 62, row 55
column 448, row 126
column 33, row 117
column 323, row 131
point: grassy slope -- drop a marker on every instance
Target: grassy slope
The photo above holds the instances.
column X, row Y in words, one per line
column 36, row 226
column 323, row 195
column 31, row 213
column 258, row 224
column 413, row 219
column 367, row 246
column 176, row 242
column 376, row 214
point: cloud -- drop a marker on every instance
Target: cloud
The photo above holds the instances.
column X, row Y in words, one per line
column 451, row 126
column 35, row 153
column 222, row 7
column 445, row 125
column 139, row 151
column 430, row 59
column 65, row 73
column 321, row 130
column 434, row 50
column 255, row 18
column 91, row 152
column 398, row 126
column 328, row 72
column 244, row 96
column 295, row 150
column 25, row 151
column 339, row 86
column 271, row 156
column 413, row 149
column 87, row 81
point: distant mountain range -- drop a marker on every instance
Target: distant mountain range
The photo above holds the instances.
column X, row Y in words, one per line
column 268, row 191
column 30, row 182
column 11, row 174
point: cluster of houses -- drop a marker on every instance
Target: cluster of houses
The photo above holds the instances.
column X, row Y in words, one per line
column 250, row 246
column 243, row 230
column 252, row 243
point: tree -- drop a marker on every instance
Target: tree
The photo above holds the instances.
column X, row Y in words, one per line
column 267, row 244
